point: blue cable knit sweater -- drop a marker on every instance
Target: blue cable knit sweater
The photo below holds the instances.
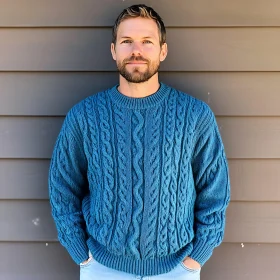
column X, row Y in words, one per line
column 140, row 182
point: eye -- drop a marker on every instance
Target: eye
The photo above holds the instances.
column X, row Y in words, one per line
column 147, row 42
column 127, row 41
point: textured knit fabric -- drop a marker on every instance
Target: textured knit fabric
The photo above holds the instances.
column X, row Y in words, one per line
column 140, row 182
column 94, row 270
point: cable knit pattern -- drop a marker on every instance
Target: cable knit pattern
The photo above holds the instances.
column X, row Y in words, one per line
column 123, row 212
column 153, row 193
column 88, row 123
column 107, row 164
column 168, row 133
column 140, row 182
column 137, row 176
column 180, row 148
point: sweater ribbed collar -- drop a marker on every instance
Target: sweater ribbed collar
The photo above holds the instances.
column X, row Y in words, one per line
column 139, row 102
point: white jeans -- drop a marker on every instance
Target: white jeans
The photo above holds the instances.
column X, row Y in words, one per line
column 95, row 270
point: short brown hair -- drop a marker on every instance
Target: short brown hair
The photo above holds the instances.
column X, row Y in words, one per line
column 143, row 11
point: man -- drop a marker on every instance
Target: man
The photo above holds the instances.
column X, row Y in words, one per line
column 139, row 181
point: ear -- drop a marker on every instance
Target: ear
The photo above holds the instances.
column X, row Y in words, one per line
column 163, row 52
column 113, row 52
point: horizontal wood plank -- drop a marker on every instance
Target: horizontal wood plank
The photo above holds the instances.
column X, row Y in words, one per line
column 255, row 180
column 55, row 49
column 251, row 180
column 24, row 179
column 96, row 13
column 26, row 221
column 228, row 94
column 30, row 137
column 200, row 49
column 243, row 262
column 49, row 93
column 251, row 137
column 251, row 222
column 36, row 261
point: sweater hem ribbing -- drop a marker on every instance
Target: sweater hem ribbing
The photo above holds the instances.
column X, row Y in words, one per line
column 148, row 267
column 201, row 252
column 78, row 250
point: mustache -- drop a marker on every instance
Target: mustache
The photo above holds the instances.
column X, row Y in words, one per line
column 136, row 58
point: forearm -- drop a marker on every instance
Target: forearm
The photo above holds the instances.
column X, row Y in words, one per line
column 210, row 210
column 211, row 179
column 67, row 188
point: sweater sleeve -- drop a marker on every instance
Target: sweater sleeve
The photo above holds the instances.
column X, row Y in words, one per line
column 67, row 188
column 211, row 178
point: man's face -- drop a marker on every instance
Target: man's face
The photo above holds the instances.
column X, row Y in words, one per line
column 137, row 51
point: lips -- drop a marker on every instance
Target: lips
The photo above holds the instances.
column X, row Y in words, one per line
column 136, row 62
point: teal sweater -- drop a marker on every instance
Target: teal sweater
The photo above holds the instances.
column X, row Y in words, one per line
column 140, row 182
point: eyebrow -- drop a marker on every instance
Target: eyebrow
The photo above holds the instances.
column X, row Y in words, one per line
column 127, row 37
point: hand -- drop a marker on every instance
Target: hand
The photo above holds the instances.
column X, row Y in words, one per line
column 86, row 261
column 191, row 263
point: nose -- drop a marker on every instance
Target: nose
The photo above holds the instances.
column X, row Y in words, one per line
column 136, row 48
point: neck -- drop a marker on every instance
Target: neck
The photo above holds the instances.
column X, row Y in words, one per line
column 137, row 90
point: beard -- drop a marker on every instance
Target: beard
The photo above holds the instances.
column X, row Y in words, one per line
column 137, row 75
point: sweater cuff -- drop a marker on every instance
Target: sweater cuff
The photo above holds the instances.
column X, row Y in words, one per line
column 78, row 250
column 201, row 251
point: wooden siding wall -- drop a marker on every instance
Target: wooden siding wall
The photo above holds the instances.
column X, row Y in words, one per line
column 53, row 54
